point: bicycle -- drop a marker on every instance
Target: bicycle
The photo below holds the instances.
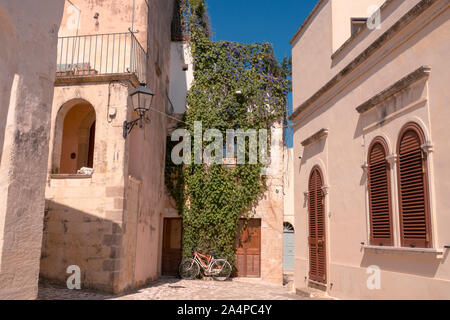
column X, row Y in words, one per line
column 218, row 269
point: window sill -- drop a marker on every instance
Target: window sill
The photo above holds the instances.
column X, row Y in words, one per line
column 70, row 176
column 425, row 252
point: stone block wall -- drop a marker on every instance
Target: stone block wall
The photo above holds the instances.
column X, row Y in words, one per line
column 114, row 225
column 270, row 210
column 84, row 219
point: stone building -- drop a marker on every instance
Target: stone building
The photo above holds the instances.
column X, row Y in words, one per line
column 105, row 219
column 259, row 251
column 371, row 149
column 105, row 208
column 27, row 73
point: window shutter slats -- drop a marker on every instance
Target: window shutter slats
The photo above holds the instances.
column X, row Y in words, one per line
column 317, row 250
column 379, row 196
column 413, row 195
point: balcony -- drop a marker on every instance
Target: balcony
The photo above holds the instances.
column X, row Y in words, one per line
column 110, row 54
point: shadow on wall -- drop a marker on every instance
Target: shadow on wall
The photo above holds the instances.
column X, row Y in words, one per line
column 311, row 151
column 414, row 265
column 8, row 61
column 73, row 237
column 413, row 93
column 354, row 85
column 392, row 7
column 392, row 109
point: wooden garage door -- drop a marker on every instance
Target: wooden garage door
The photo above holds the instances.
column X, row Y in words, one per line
column 248, row 249
column 172, row 249
column 316, row 240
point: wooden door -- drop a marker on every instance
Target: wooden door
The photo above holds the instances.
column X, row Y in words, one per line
column 172, row 248
column 90, row 162
column 248, row 249
column 317, row 237
column 288, row 247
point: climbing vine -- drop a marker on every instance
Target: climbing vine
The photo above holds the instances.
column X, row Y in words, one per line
column 236, row 86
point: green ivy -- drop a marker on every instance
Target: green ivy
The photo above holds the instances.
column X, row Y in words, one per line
column 212, row 199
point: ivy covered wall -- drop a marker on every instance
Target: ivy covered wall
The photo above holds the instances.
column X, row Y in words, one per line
column 236, row 86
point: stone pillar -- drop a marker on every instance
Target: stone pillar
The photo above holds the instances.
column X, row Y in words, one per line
column 24, row 153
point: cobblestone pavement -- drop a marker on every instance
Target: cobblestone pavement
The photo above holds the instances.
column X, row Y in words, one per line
column 176, row 289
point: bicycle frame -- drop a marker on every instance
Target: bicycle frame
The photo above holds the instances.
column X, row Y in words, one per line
column 205, row 262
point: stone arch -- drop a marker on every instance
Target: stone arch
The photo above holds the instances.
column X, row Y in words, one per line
column 74, row 137
column 419, row 124
column 9, row 60
column 320, row 164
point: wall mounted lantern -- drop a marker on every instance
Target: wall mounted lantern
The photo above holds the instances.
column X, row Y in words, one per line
column 141, row 100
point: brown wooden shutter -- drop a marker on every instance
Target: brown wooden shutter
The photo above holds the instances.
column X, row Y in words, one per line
column 379, row 196
column 413, row 193
column 317, row 248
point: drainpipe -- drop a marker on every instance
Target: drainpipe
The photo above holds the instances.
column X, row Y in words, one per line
column 79, row 14
column 132, row 16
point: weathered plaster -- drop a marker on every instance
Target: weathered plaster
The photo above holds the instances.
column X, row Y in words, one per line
column 27, row 73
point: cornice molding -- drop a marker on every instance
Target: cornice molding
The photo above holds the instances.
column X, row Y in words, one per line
column 400, row 85
column 323, row 133
column 411, row 15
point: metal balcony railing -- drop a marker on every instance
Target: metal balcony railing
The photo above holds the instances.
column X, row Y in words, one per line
column 101, row 54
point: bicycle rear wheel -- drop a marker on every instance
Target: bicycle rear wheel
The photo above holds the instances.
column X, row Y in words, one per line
column 220, row 270
column 189, row 269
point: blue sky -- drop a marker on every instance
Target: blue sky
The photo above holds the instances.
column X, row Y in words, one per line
column 250, row 21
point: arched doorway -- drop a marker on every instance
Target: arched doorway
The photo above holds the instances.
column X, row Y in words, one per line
column 316, row 219
column 78, row 138
column 288, row 247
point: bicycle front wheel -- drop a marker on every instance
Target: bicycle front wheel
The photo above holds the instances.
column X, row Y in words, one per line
column 189, row 269
column 220, row 270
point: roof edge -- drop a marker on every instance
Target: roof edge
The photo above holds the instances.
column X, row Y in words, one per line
column 307, row 20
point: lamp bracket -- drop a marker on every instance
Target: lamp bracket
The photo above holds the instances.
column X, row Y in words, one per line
column 128, row 126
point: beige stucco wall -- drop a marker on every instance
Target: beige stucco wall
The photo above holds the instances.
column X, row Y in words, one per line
column 404, row 275
column 288, row 185
column 113, row 16
column 343, row 11
column 180, row 80
column 27, row 73
column 150, row 143
column 314, row 45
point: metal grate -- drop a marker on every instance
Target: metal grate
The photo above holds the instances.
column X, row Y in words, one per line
column 101, row 54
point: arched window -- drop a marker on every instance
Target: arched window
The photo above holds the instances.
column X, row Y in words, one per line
column 78, row 139
column 379, row 195
column 415, row 228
